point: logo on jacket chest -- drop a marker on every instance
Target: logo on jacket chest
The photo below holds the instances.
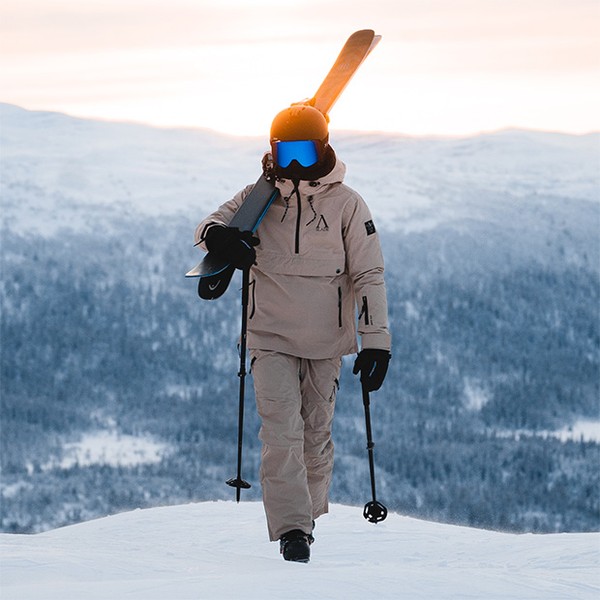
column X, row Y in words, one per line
column 322, row 224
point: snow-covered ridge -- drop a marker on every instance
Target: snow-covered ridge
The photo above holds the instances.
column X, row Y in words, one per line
column 506, row 221
column 220, row 550
column 53, row 166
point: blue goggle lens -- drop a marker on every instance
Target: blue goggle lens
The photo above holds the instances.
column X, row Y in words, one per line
column 304, row 151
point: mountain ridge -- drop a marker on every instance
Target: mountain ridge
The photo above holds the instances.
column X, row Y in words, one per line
column 492, row 269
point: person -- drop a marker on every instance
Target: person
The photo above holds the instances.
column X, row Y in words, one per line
column 315, row 259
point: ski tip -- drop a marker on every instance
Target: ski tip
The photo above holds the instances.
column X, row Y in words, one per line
column 193, row 272
column 365, row 34
column 362, row 32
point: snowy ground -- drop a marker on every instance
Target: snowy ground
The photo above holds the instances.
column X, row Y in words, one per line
column 219, row 551
column 109, row 448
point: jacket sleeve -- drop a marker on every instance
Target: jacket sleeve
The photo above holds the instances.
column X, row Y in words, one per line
column 222, row 216
column 364, row 262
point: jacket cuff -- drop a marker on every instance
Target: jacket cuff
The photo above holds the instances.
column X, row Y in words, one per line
column 379, row 341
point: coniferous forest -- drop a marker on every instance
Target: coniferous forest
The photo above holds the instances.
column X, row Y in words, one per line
column 493, row 276
column 484, row 365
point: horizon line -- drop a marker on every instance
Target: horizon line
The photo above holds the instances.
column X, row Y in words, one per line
column 377, row 132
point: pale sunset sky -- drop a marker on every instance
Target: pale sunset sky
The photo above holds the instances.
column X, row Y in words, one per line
column 443, row 67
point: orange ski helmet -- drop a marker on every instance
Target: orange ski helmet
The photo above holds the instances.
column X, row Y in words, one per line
column 300, row 122
column 299, row 143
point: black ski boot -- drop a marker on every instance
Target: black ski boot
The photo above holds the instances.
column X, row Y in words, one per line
column 295, row 545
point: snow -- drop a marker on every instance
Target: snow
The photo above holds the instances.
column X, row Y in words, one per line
column 219, row 550
column 96, row 171
column 110, row 448
column 586, row 430
column 59, row 171
column 476, row 397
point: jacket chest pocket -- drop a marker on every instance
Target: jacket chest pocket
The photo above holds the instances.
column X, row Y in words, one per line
column 316, row 264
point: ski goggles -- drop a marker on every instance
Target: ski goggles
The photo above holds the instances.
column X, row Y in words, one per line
column 303, row 151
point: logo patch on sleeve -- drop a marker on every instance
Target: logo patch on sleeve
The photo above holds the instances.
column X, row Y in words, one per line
column 370, row 227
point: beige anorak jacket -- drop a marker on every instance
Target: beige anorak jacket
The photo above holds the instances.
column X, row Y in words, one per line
column 319, row 258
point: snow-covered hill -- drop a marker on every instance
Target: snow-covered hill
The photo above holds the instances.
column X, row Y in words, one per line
column 119, row 387
column 59, row 171
column 218, row 551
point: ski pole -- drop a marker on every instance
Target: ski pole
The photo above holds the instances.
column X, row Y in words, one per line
column 374, row 511
column 237, row 482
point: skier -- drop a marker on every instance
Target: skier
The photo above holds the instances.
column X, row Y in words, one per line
column 315, row 257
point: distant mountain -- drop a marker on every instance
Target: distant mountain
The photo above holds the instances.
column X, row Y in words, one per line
column 493, row 272
column 412, row 184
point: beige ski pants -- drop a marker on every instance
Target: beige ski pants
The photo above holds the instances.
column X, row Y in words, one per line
column 295, row 398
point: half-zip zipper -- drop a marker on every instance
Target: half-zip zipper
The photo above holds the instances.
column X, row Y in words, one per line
column 298, row 220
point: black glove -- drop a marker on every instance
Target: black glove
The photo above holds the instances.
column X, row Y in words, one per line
column 233, row 245
column 372, row 365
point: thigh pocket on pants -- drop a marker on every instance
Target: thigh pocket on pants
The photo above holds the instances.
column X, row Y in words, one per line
column 334, row 390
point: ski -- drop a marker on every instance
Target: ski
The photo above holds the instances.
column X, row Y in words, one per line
column 358, row 46
column 214, row 273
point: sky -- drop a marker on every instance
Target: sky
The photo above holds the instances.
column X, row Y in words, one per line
column 443, row 67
